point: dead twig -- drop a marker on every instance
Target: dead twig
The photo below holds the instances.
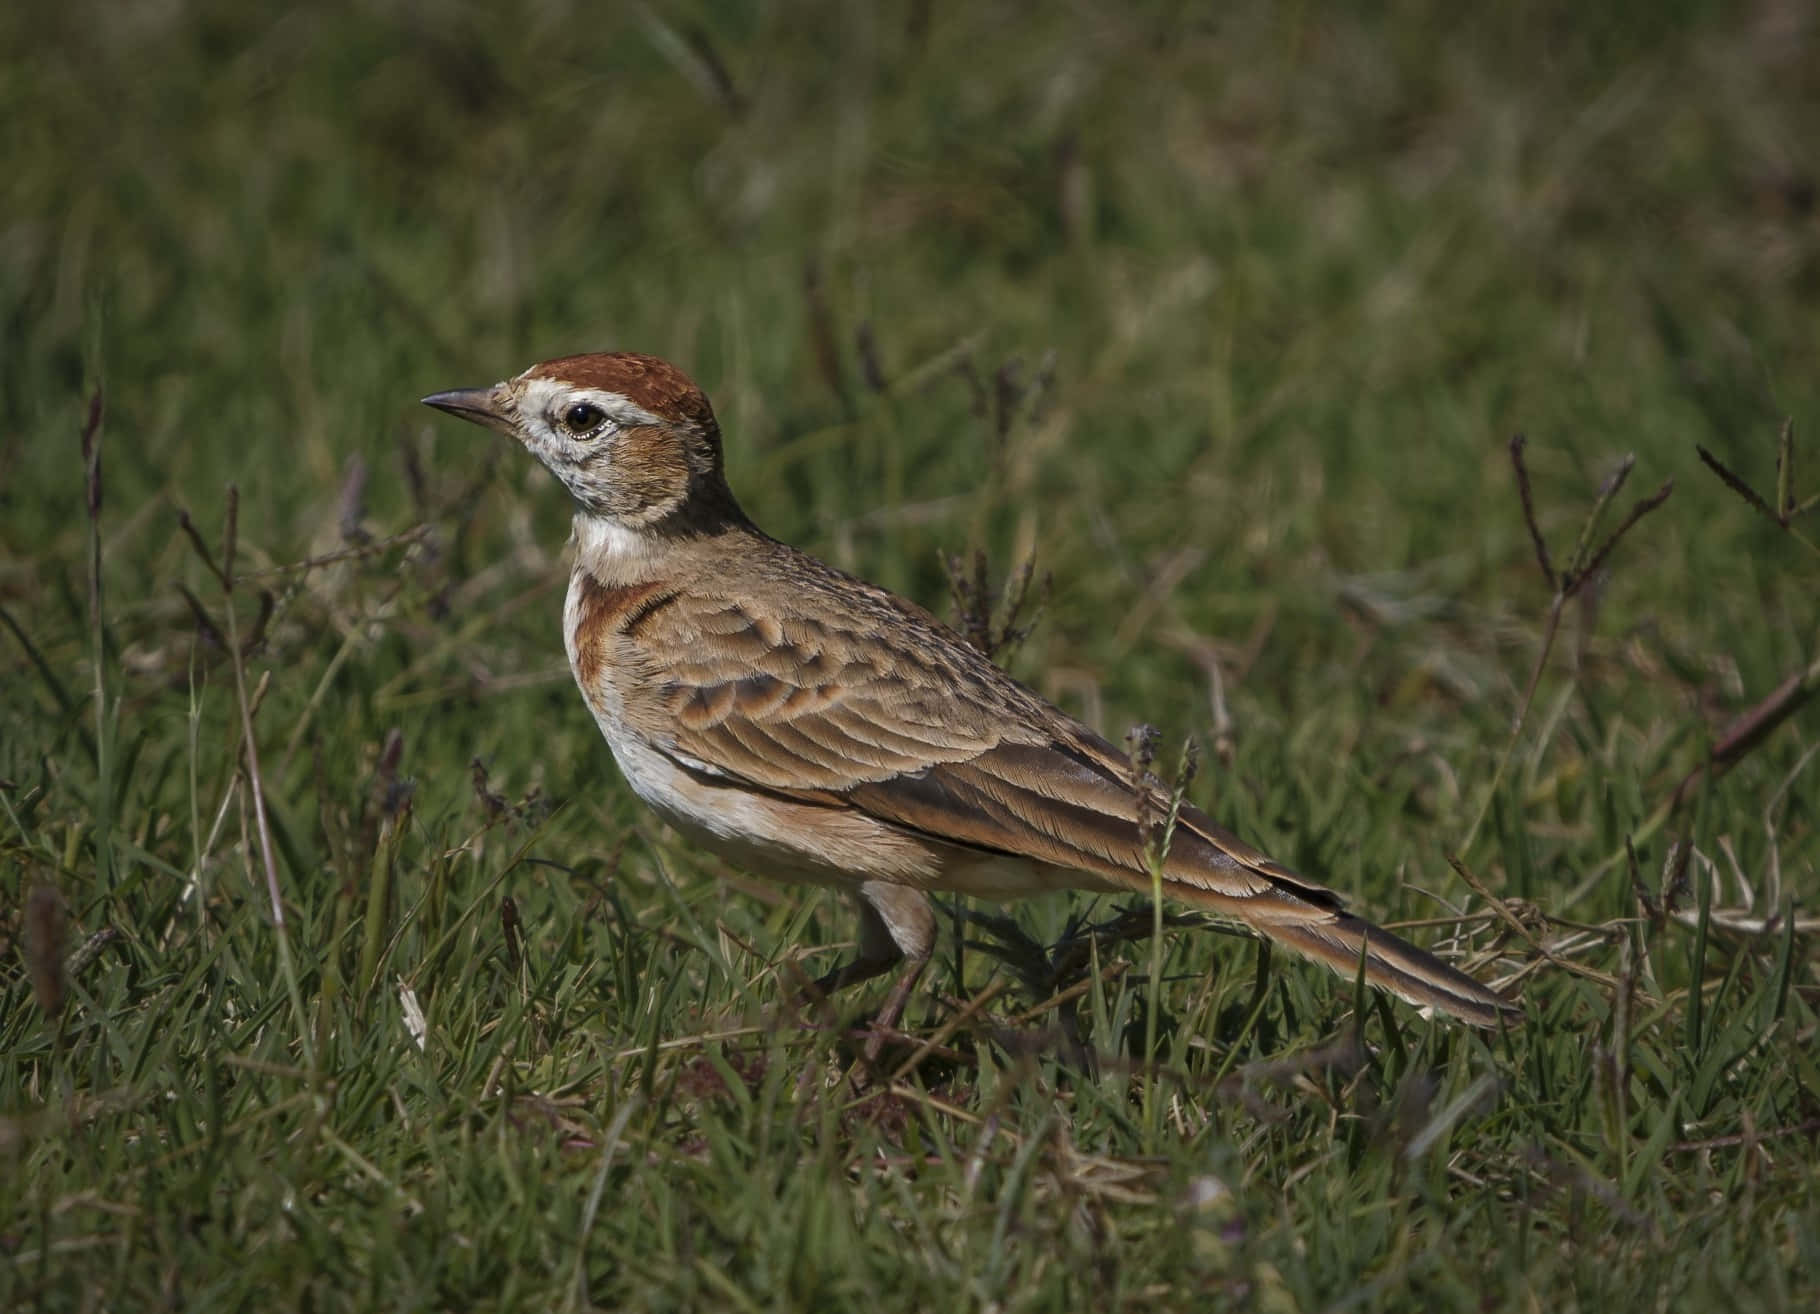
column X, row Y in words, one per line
column 1585, row 563
column 1752, row 728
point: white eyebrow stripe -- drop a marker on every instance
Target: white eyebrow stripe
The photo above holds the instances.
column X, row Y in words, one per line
column 541, row 397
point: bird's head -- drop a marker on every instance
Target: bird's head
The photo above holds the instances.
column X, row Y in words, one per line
column 630, row 436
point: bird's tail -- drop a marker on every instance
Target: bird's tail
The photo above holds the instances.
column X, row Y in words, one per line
column 1330, row 935
column 1070, row 805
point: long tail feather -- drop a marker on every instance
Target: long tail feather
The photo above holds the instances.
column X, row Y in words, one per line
column 1340, row 940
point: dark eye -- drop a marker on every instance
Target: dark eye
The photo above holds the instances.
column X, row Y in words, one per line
column 582, row 418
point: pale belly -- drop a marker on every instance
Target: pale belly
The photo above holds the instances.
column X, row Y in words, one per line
column 821, row 845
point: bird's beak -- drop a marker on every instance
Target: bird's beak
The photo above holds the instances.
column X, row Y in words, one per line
column 491, row 407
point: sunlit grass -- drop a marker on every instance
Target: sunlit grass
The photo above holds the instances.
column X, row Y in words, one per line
column 1223, row 323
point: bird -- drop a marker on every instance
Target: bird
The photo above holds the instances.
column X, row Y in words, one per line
column 811, row 727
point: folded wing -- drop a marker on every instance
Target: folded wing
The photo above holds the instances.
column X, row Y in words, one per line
column 897, row 717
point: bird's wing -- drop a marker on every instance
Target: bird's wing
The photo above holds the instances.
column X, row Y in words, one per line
column 857, row 700
column 790, row 702
column 901, row 719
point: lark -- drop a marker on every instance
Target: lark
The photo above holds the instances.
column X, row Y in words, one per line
column 811, row 727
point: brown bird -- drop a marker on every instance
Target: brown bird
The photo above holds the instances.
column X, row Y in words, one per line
column 812, row 727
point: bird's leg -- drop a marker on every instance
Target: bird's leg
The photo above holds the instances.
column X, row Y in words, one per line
column 904, row 913
column 878, row 954
column 896, row 924
column 886, row 1021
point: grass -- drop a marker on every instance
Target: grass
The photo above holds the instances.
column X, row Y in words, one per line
column 1223, row 322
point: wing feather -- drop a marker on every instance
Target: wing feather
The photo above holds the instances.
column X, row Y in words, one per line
column 805, row 696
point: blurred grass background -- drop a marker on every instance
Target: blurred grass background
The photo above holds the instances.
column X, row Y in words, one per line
column 1224, row 318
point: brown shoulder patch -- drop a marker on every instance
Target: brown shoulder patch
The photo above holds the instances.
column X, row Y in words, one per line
column 603, row 611
column 646, row 381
